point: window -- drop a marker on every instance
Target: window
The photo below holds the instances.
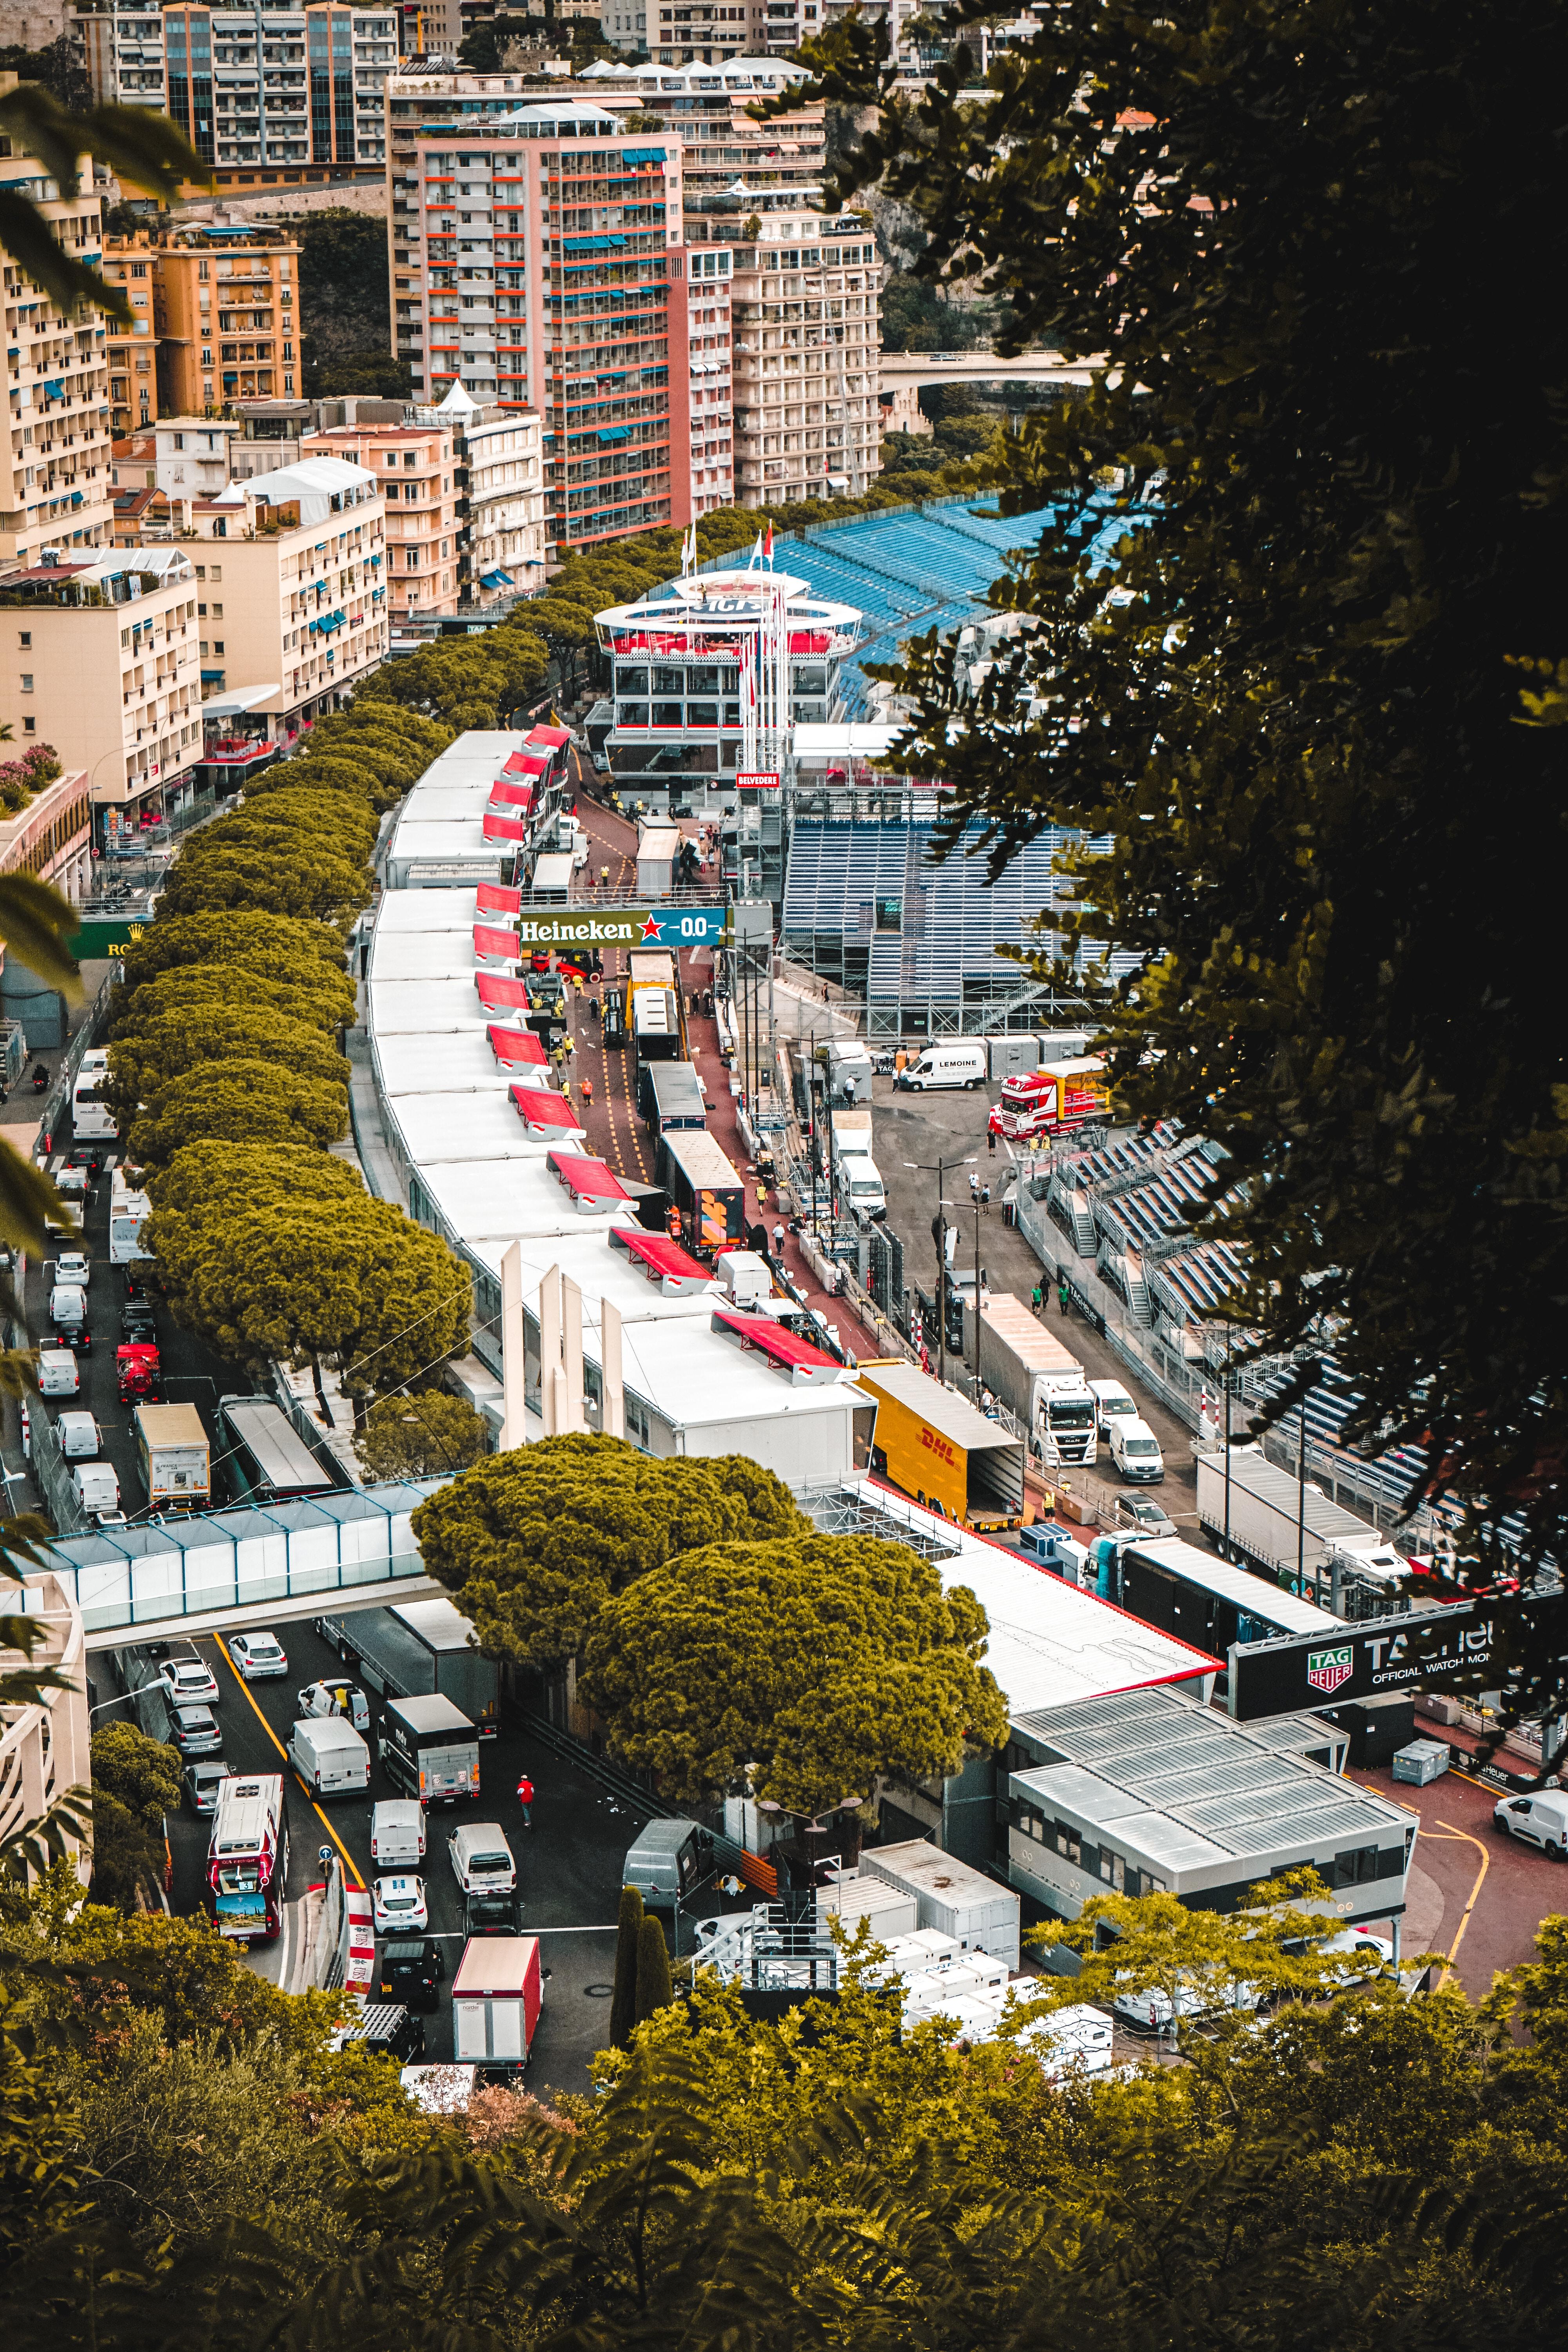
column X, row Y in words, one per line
column 26, row 682
column 29, row 726
column 26, row 636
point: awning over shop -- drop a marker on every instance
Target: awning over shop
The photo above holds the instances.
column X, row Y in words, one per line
column 517, row 1049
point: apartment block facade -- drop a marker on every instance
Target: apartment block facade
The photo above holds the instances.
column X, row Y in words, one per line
column 55, row 486
column 130, row 264
column 226, row 317
column 546, row 270
column 414, row 469
column 807, row 335
column 101, row 659
column 268, row 95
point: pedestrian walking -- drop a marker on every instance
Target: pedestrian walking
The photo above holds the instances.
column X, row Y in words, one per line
column 778, row 1243
column 973, row 1189
column 1037, row 1299
column 985, row 1198
column 525, row 1798
column 585, row 1089
column 604, row 878
column 990, row 1139
column 598, row 1010
column 1062, row 1296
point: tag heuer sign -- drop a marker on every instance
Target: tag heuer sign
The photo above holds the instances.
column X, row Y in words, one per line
column 1328, row 1670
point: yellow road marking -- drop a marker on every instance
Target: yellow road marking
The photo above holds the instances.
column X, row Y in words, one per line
column 1463, row 1836
column 349, row 1863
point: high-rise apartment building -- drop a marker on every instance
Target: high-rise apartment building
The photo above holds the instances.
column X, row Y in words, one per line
column 413, row 469
column 55, row 487
column 546, row 270
column 269, row 94
column 130, row 264
column 807, row 333
column 733, row 171
column 226, row 316
column 120, row 45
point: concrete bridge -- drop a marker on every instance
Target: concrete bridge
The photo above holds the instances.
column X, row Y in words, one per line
column 904, row 373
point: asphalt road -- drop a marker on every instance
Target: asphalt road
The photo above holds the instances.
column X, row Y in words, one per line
column 192, row 1373
column 570, row 1864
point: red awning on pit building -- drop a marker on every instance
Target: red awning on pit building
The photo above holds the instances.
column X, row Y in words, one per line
column 677, row 1271
column 517, row 1048
column 589, row 1182
column 500, row 994
column 804, row 1364
column 503, row 829
column 542, row 1111
column 494, row 943
column 492, row 899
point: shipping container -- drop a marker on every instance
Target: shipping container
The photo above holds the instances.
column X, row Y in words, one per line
column 980, row 1913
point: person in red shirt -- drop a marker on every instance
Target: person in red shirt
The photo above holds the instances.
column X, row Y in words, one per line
column 525, row 1798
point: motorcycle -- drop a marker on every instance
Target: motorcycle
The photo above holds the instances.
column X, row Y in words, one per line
column 40, row 1079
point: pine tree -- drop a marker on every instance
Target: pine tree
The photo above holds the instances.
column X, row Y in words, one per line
column 654, row 1990
column 623, row 2002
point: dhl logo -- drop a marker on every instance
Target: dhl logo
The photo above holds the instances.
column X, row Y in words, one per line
column 939, row 1446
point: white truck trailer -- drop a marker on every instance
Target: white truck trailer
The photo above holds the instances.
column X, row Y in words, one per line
column 1346, row 1565
column 1041, row 1384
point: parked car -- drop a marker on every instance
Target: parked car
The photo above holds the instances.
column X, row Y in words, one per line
column 194, row 1731
column 1144, row 1517
column 138, row 1324
column 336, row 1694
column 399, row 1905
column 257, row 1656
column 73, row 1266
column 188, row 1676
column 203, row 1777
column 1541, row 1820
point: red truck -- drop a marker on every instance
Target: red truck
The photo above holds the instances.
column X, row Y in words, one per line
column 141, row 1372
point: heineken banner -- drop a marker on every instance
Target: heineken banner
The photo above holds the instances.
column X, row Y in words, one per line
column 624, row 926
column 1459, row 1648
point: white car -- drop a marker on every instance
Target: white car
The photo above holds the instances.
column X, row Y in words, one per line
column 399, row 1905
column 482, row 1861
column 1357, row 1957
column 257, row 1656
column 1111, row 1403
column 1149, row 2011
column 189, row 1681
column 73, row 1266
column 1541, row 1820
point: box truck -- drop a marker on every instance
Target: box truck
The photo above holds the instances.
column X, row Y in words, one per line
column 430, row 1750
column 174, row 1457
column 416, row 1649
column 1347, row 1565
column 669, row 1095
column 706, row 1194
column 496, row 1995
column 938, row 1449
column 1040, row 1381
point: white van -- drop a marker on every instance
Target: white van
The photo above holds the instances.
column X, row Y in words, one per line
column 67, row 1308
column 78, row 1434
column 944, row 1066
column 96, row 1488
column 1111, row 1403
column 482, row 1861
column 1541, row 1820
column 398, row 1833
column 1135, row 1450
column 860, row 1188
column 329, row 1755
column 58, row 1373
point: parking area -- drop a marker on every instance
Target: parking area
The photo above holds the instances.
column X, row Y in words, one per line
column 570, row 1864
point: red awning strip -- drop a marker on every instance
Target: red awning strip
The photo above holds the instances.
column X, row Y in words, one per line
column 500, row 994
column 503, row 828
column 660, row 1256
column 587, row 1179
column 780, row 1346
column 526, row 763
column 517, row 1048
column 541, row 1108
column 556, row 738
column 488, row 942
column 490, row 898
column 513, row 796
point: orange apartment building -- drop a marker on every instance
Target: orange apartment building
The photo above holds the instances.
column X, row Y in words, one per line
column 415, row 473
column 130, row 263
column 225, row 317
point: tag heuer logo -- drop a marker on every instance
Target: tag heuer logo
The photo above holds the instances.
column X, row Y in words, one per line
column 1327, row 1669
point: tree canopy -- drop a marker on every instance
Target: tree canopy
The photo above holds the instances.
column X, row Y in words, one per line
column 216, row 1031
column 296, row 880
column 279, row 947
column 325, row 1002
column 1310, row 706
column 535, row 1543
column 349, row 1280
column 421, row 1435
column 241, row 1100
column 815, row 1665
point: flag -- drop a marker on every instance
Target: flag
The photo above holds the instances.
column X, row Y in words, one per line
column 768, row 545
column 755, row 556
